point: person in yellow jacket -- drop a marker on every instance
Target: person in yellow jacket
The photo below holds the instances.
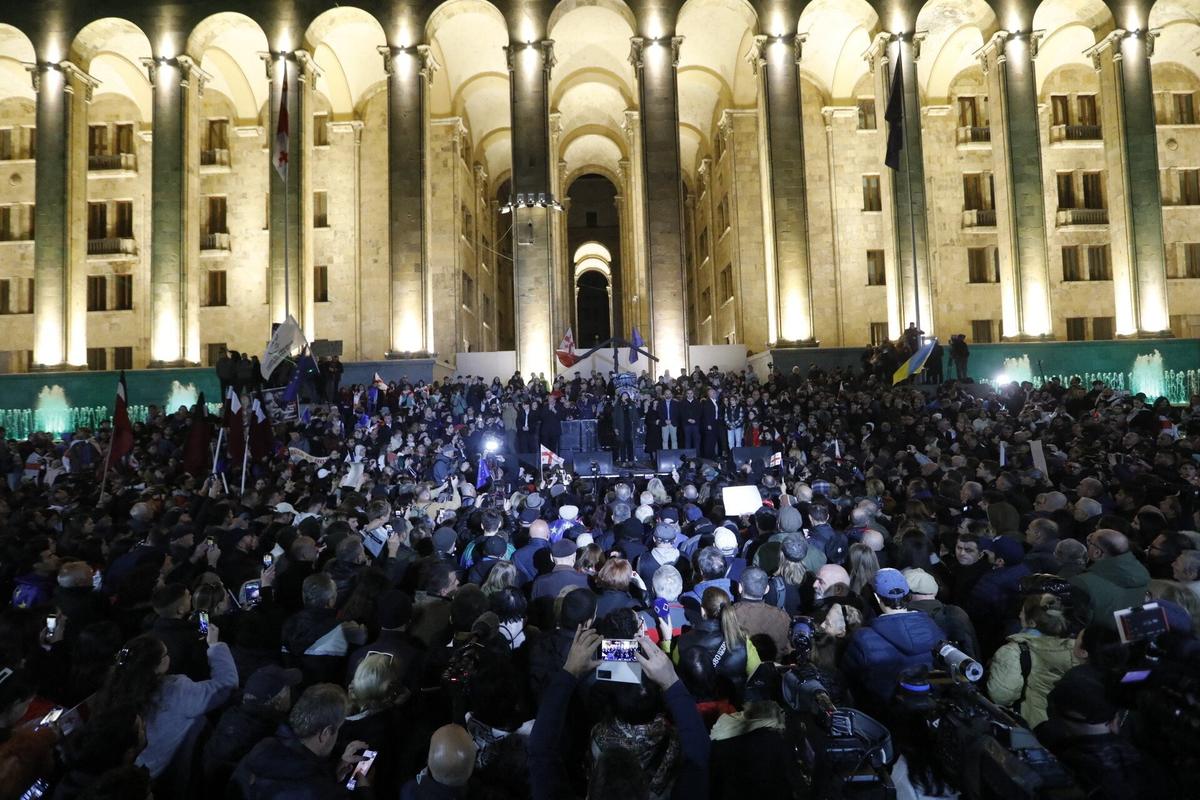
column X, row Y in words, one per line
column 1028, row 665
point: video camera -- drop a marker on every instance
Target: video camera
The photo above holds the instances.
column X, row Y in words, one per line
column 985, row 751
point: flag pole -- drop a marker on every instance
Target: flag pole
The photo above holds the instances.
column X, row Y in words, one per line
column 245, row 456
column 908, row 179
column 217, row 450
column 107, row 458
column 287, row 242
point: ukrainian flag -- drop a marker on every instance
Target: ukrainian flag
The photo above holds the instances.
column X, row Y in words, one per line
column 914, row 364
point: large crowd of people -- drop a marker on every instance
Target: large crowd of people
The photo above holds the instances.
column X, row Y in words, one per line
column 380, row 614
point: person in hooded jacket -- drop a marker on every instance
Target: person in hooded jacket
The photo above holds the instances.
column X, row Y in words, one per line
column 896, row 640
column 1026, row 668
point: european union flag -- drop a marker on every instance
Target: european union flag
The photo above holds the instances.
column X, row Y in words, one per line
column 484, row 475
column 292, row 390
column 635, row 344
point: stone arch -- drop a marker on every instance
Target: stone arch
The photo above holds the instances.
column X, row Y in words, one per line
column 112, row 50
column 344, row 42
column 15, row 52
column 226, row 45
column 954, row 32
column 838, row 33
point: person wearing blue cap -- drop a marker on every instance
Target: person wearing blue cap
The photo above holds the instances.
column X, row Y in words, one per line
column 896, row 640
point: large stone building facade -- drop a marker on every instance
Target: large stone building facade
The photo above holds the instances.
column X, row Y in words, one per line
column 435, row 203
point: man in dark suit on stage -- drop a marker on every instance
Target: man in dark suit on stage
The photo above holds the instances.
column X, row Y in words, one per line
column 527, row 428
column 690, row 416
column 712, row 424
column 551, row 428
column 669, row 411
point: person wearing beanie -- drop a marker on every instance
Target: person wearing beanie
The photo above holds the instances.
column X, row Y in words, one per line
column 663, row 552
column 992, row 604
column 548, row 649
column 562, row 575
column 1083, row 733
column 727, row 542
column 897, row 640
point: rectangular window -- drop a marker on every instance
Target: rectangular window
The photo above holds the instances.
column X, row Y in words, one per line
column 876, row 269
column 217, row 214
column 723, row 214
column 1103, row 328
column 706, row 304
column 1099, row 264
column 320, row 209
column 972, row 112
column 123, row 218
column 6, row 296
column 1066, row 189
column 320, row 130
column 981, row 331
column 97, row 220
column 97, row 140
column 486, row 308
column 218, row 134
column 972, row 191
column 97, row 293
column 468, row 291
column 123, row 138
column 7, row 228
column 213, row 351
column 727, row 283
column 122, row 358
column 878, row 332
column 1076, row 329
column 7, row 150
column 981, row 268
column 27, row 308
column 1189, row 187
column 320, row 284
column 123, row 293
column 1185, row 108
column 1060, row 109
column 1070, row 262
column 703, row 245
column 1191, row 260
column 1087, row 109
column 871, row 196
column 866, row 114
column 1093, row 190
column 217, row 287
column 97, row 358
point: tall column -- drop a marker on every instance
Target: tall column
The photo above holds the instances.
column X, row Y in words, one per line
column 1007, row 62
column 291, row 210
column 60, row 215
column 878, row 60
column 529, row 66
column 177, row 85
column 1135, row 222
column 778, row 66
column 409, row 72
column 908, row 194
column 656, row 61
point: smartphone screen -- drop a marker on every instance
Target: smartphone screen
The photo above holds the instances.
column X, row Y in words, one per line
column 97, row 579
column 204, row 622
column 618, row 649
column 251, row 593
column 51, row 623
column 268, row 560
column 51, row 717
column 38, row 789
column 362, row 768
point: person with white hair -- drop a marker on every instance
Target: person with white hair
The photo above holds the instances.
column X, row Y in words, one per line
column 667, row 610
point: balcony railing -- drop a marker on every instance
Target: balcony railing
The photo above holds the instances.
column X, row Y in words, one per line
column 218, row 157
column 214, row 241
column 114, row 161
column 980, row 218
column 974, row 135
column 112, row 246
column 1083, row 216
column 1074, row 133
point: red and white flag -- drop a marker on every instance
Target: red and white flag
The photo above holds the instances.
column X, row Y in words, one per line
column 122, row 430
column 566, row 350
column 550, row 458
column 279, row 154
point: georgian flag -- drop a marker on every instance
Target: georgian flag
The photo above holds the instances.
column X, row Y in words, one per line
column 550, row 458
column 566, row 350
column 279, row 154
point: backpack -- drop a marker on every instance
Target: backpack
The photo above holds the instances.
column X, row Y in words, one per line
column 778, row 585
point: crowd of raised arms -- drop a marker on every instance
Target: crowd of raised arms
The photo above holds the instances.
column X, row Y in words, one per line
column 378, row 616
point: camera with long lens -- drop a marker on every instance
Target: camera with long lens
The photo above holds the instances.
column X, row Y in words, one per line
column 983, row 750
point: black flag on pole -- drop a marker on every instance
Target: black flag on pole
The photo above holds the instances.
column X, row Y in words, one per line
column 895, row 115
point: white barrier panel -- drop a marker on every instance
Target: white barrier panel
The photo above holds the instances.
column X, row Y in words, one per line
column 491, row 364
column 726, row 357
